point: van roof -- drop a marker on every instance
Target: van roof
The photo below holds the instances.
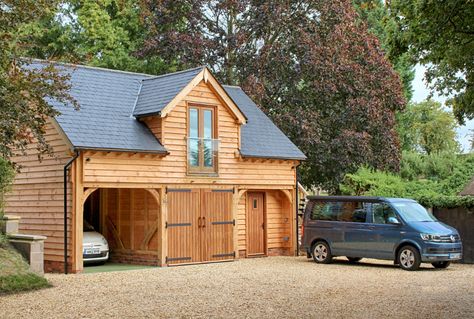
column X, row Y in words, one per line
column 359, row 198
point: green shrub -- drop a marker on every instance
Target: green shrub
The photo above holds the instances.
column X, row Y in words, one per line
column 7, row 174
column 430, row 193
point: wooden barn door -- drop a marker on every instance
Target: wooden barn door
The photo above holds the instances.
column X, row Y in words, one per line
column 200, row 225
column 182, row 226
column 255, row 224
column 217, row 225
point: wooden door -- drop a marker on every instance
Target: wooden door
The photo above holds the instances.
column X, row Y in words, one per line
column 255, row 224
column 182, row 226
column 216, row 225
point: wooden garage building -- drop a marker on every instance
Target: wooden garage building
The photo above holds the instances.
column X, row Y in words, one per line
column 172, row 169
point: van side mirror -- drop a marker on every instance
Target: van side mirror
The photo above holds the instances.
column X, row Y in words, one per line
column 393, row 220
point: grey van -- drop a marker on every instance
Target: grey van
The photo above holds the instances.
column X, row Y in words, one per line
column 375, row 227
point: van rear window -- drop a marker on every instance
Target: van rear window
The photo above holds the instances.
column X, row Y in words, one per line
column 351, row 211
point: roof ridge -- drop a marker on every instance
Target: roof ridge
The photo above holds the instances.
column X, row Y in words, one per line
column 174, row 73
column 136, row 100
column 90, row 67
column 232, row 86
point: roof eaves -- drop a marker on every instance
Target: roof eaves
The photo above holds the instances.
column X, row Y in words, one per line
column 138, row 116
column 299, row 158
column 88, row 148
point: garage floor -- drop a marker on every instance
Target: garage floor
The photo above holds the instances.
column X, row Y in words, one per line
column 108, row 267
column 274, row 287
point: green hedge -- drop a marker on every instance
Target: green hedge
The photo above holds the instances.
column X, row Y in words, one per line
column 447, row 201
column 429, row 193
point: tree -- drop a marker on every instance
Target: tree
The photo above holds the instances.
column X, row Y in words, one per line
column 24, row 91
column 426, row 127
column 103, row 33
column 379, row 21
column 311, row 66
column 440, row 35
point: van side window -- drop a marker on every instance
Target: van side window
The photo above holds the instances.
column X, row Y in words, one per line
column 381, row 212
column 340, row 211
column 323, row 211
column 353, row 212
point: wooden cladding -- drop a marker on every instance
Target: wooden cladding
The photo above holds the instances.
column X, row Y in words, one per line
column 200, row 226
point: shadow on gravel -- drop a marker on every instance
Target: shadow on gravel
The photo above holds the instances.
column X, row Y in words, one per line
column 366, row 263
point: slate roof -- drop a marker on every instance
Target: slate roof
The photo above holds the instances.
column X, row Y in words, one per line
column 157, row 92
column 104, row 121
column 110, row 101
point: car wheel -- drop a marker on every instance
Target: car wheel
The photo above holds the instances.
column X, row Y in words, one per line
column 409, row 258
column 321, row 253
column 353, row 259
column 441, row 264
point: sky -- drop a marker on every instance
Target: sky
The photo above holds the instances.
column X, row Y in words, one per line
column 421, row 92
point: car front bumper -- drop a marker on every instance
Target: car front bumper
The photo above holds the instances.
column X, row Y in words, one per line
column 101, row 257
column 441, row 252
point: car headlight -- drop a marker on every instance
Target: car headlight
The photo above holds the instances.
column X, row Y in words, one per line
column 430, row 237
column 104, row 241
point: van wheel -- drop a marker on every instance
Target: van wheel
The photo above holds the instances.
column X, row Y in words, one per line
column 441, row 264
column 321, row 253
column 353, row 259
column 409, row 258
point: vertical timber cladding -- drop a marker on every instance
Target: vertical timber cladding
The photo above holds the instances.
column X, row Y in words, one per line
column 200, row 225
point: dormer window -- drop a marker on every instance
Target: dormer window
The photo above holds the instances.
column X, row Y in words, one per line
column 202, row 145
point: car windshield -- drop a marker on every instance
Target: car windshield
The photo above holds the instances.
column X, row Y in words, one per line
column 413, row 212
column 87, row 227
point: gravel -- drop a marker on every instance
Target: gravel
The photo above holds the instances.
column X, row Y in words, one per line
column 273, row 287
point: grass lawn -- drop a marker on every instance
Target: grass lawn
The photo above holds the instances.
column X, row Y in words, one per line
column 14, row 272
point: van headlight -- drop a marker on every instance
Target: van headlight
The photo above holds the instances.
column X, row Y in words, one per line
column 431, row 237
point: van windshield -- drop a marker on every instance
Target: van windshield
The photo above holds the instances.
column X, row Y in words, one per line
column 413, row 212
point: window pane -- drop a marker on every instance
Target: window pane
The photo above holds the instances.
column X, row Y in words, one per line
column 193, row 152
column 207, row 124
column 193, row 123
column 352, row 212
column 324, row 211
column 208, row 153
column 381, row 213
column 340, row 211
column 193, row 143
column 207, row 139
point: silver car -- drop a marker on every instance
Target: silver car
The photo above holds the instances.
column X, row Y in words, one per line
column 95, row 247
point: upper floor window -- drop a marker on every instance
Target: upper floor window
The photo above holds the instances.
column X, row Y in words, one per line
column 202, row 145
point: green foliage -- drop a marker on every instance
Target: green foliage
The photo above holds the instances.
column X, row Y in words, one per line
column 426, row 127
column 24, row 92
column 6, row 177
column 433, row 180
column 103, row 33
column 439, row 34
column 381, row 24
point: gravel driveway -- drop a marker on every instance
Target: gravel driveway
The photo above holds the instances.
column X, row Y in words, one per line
column 274, row 287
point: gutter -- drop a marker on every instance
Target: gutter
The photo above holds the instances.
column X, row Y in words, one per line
column 66, row 168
